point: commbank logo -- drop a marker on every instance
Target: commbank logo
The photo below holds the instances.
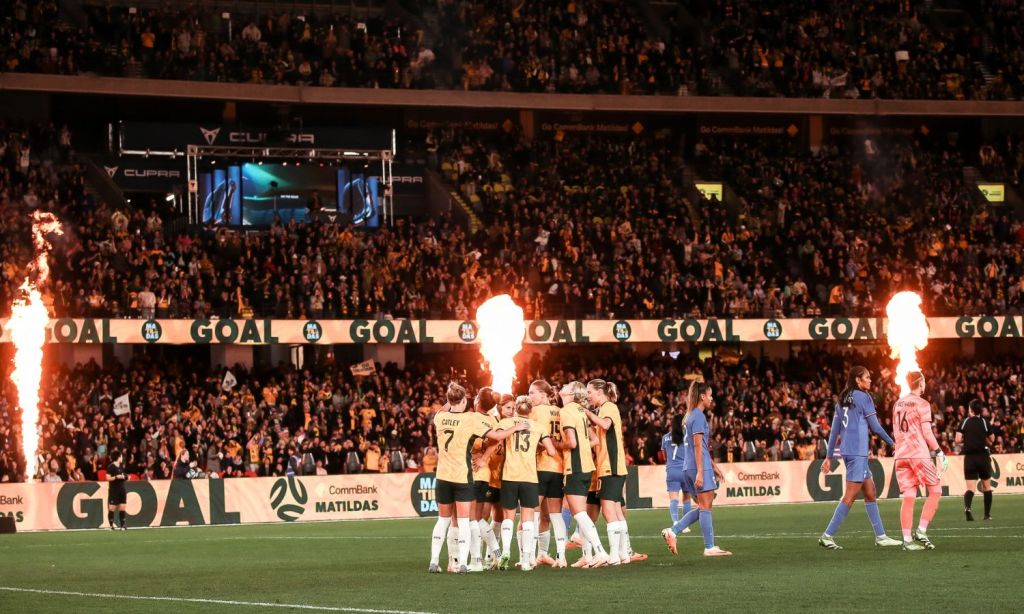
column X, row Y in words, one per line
column 209, row 135
column 288, row 512
column 111, row 170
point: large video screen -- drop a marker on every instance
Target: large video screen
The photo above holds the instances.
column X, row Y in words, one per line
column 358, row 196
column 289, row 191
column 252, row 194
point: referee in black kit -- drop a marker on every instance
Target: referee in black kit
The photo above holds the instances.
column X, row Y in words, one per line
column 974, row 434
column 117, row 495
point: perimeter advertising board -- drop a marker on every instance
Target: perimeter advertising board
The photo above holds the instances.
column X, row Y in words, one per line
column 82, row 505
column 263, row 332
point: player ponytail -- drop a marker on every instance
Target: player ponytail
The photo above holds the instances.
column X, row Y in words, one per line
column 523, row 405
column 546, row 388
column 856, row 372
column 677, row 430
column 486, row 399
column 607, row 388
column 455, row 393
column 576, row 392
column 698, row 388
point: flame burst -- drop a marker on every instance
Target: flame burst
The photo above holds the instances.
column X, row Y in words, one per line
column 907, row 333
column 28, row 333
column 501, row 338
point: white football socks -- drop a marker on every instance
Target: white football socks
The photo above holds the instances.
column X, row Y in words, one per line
column 614, row 537
column 589, row 532
column 437, row 538
column 465, row 535
column 558, row 526
column 529, row 544
column 506, row 537
column 543, row 542
column 474, row 541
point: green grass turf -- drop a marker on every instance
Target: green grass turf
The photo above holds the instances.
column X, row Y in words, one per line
column 777, row 566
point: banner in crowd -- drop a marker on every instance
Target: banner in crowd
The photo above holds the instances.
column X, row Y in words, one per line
column 82, row 505
column 167, row 137
column 261, row 332
column 753, row 126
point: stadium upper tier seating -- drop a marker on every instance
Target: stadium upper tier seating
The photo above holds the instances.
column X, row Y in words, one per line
column 575, row 227
column 764, row 411
column 795, row 48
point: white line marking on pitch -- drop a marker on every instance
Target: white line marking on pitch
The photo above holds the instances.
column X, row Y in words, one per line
column 258, row 604
column 230, row 539
column 816, row 535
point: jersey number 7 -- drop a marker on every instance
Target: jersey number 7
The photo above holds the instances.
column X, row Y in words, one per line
column 449, row 433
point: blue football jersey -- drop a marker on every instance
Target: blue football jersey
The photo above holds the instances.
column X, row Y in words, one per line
column 854, row 409
column 675, row 455
column 697, row 423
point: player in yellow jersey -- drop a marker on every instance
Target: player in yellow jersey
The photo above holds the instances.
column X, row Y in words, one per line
column 496, row 463
column 445, row 423
column 487, row 476
column 549, row 476
column 481, row 488
column 519, row 480
column 579, row 466
column 610, row 463
column 455, row 471
column 593, row 504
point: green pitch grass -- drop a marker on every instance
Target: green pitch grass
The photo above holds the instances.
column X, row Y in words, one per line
column 381, row 566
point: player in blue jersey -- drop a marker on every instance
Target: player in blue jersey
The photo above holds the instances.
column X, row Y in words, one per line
column 673, row 446
column 855, row 414
column 700, row 475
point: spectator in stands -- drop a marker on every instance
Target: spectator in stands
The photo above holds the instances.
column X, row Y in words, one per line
column 184, row 467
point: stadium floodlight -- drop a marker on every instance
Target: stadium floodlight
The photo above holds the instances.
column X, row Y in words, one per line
column 170, row 197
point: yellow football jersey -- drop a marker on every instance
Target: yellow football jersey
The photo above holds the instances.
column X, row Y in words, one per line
column 521, row 450
column 579, row 459
column 611, row 454
column 456, row 455
column 547, row 417
column 495, row 465
column 483, row 474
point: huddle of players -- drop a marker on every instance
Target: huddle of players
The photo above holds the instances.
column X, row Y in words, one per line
column 525, row 452
column 914, row 446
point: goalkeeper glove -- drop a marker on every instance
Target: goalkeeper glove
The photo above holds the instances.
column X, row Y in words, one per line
column 943, row 462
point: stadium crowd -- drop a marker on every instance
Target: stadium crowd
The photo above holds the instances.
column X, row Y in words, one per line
column 885, row 49
column 881, row 49
column 812, row 233
column 331, row 422
column 576, row 226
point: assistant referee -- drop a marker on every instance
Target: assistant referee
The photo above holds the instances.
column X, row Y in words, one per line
column 974, row 434
column 117, row 494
